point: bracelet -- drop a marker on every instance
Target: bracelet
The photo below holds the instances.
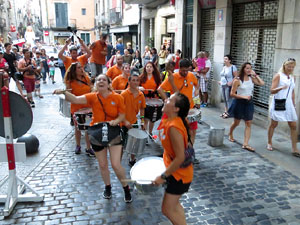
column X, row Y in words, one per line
column 142, row 117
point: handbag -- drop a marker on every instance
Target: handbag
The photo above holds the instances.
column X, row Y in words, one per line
column 189, row 155
column 103, row 134
column 280, row 103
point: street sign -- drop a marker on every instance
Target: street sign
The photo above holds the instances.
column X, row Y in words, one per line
column 46, row 32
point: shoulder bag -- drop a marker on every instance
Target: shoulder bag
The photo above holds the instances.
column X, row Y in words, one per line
column 280, row 103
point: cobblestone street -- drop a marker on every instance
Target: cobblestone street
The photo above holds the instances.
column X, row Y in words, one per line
column 231, row 186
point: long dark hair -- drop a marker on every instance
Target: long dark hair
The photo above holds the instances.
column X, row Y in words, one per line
column 155, row 73
column 242, row 72
column 183, row 103
column 71, row 73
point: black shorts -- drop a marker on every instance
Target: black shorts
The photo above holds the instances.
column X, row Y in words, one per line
column 97, row 148
column 176, row 187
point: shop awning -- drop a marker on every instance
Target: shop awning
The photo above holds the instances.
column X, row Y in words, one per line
column 147, row 3
column 124, row 29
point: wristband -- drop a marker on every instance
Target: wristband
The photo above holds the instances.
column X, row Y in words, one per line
column 163, row 176
column 142, row 117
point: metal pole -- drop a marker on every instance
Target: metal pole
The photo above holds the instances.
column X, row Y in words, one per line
column 140, row 28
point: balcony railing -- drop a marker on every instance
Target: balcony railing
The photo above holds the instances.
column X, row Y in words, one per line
column 115, row 16
column 2, row 22
column 56, row 25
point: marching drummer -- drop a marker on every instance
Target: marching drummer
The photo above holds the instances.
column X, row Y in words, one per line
column 79, row 83
column 150, row 80
column 135, row 103
column 184, row 82
column 120, row 83
column 175, row 138
column 107, row 106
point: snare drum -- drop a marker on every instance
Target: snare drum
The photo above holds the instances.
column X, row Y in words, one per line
column 194, row 115
column 136, row 141
column 146, row 170
column 153, row 109
column 82, row 118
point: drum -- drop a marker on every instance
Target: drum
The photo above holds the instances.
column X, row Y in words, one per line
column 136, row 141
column 194, row 115
column 105, row 135
column 153, row 109
column 64, row 106
column 145, row 171
column 82, row 118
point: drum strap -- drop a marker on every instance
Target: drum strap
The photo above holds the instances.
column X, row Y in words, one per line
column 82, row 82
column 182, row 86
column 102, row 106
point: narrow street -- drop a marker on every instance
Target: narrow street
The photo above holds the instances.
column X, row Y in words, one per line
column 230, row 186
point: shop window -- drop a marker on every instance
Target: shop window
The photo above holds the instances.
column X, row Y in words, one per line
column 83, row 11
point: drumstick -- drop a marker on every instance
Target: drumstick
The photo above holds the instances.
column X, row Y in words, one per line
column 150, row 135
column 134, row 181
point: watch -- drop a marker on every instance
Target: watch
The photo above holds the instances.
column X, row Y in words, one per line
column 163, row 176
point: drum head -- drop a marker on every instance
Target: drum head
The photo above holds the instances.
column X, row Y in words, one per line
column 21, row 115
column 137, row 133
column 193, row 112
column 154, row 101
column 147, row 169
column 83, row 111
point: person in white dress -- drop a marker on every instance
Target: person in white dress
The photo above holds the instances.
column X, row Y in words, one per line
column 282, row 87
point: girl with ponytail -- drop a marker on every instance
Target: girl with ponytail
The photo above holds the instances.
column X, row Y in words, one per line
column 174, row 137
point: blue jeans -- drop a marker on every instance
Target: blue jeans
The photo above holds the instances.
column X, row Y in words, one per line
column 62, row 71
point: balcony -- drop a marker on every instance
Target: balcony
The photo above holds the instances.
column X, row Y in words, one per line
column 59, row 25
column 115, row 16
column 2, row 22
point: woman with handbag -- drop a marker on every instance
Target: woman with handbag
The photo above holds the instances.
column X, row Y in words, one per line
column 175, row 139
column 283, row 104
column 79, row 83
column 108, row 111
column 228, row 73
column 242, row 106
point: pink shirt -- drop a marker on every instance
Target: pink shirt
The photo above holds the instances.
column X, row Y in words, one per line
column 201, row 63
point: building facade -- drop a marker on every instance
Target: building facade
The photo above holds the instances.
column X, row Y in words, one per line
column 61, row 14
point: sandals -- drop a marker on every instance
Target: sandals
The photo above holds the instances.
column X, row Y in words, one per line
column 249, row 148
column 269, row 147
column 296, row 154
column 231, row 139
column 224, row 115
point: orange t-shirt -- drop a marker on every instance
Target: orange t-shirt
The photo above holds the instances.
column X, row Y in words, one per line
column 113, row 105
column 113, row 72
column 184, row 85
column 133, row 105
column 79, row 88
column 97, row 57
column 119, row 83
column 68, row 61
column 149, row 84
column 184, row 174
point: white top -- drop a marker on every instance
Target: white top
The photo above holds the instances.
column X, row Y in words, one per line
column 227, row 74
column 290, row 113
column 246, row 88
column 208, row 64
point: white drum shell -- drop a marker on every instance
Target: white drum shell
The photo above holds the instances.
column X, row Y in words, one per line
column 194, row 115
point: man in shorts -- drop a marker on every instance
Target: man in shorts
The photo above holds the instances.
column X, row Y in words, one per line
column 99, row 52
column 203, row 80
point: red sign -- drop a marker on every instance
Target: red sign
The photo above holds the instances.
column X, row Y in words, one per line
column 172, row 2
column 46, row 33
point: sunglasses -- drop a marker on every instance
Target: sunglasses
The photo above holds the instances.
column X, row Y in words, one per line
column 291, row 59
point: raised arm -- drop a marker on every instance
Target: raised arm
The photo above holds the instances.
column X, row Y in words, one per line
column 87, row 50
column 71, row 98
column 61, row 52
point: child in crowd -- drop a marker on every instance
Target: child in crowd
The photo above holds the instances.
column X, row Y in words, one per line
column 200, row 62
column 52, row 69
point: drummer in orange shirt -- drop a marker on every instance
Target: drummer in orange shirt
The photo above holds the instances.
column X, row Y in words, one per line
column 79, row 83
column 120, row 83
column 150, row 80
column 74, row 55
column 174, row 138
column 184, row 82
column 115, row 70
column 107, row 106
column 99, row 52
column 135, row 103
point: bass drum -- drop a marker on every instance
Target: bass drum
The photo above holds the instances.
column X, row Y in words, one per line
column 145, row 171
